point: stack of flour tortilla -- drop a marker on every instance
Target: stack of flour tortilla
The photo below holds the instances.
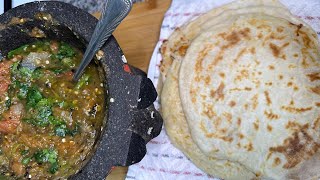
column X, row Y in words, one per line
column 240, row 92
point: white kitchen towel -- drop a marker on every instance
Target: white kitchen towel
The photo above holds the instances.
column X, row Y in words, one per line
column 163, row 161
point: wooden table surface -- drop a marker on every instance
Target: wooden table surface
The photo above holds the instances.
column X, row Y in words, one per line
column 137, row 35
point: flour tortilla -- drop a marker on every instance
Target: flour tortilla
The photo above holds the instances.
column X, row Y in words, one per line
column 250, row 93
column 177, row 44
column 177, row 129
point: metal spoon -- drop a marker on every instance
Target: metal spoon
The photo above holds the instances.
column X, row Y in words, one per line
column 114, row 12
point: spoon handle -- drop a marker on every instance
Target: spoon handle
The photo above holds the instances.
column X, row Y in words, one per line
column 114, row 12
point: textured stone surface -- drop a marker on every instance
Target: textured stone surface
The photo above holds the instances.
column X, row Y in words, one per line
column 131, row 119
column 90, row 5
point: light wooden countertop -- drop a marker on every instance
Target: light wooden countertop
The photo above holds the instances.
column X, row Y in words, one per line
column 137, row 35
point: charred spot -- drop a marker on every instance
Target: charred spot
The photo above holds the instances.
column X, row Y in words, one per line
column 202, row 54
column 298, row 147
column 256, row 125
column 266, row 94
column 296, row 110
column 280, row 29
column 270, row 115
column 183, row 49
column 235, row 37
column 253, row 50
column 232, row 103
column 241, row 136
column 218, row 94
column 280, row 77
column 207, row 80
column 227, row 139
column 240, row 54
column 276, row 161
column 239, row 121
column 314, row 77
column 269, row 128
column 271, row 67
column 222, row 75
column 275, row 49
column 249, row 146
column 254, row 101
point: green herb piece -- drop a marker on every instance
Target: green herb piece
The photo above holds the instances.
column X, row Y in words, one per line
column 33, row 97
column 37, row 73
column 61, row 130
column 24, row 152
column 68, row 62
column 23, row 90
column 46, row 155
column 8, row 103
column 25, row 160
column 54, row 168
column 65, row 51
column 20, row 50
column 83, row 81
column 57, row 71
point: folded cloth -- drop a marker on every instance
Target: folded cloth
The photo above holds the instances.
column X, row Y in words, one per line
column 163, row 160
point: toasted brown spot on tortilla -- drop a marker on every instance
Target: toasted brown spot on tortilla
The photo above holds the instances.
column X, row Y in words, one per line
column 276, row 161
column 183, row 49
column 270, row 115
column 298, row 147
column 296, row 110
column 209, row 111
column 246, row 106
column 218, row 94
column 280, row 29
column 256, row 125
column 295, row 88
column 291, row 102
column 260, row 35
column 275, row 49
column 249, row 146
column 314, row 76
column 239, row 55
column 280, row 77
column 227, row 139
column 232, row 103
column 239, row 121
column 228, row 117
column 304, row 63
column 241, row 136
column 316, row 124
column 207, row 80
column 290, row 84
column 295, row 55
column 318, row 104
column 235, row 37
column 202, row 54
column 253, row 50
column 271, row 67
column 269, row 128
column 266, row 93
column 316, row 90
column 268, row 83
column 222, row 75
column 255, row 101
